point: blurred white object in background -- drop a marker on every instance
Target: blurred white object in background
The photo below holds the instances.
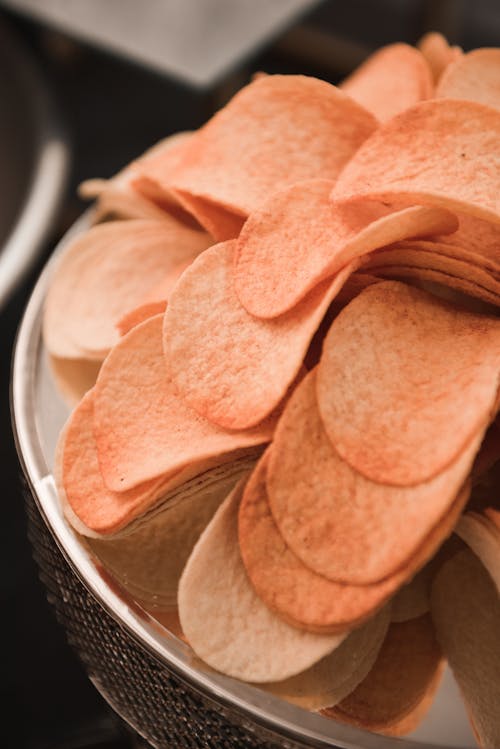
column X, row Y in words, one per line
column 34, row 156
column 197, row 41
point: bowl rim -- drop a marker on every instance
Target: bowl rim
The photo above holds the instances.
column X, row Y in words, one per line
column 50, row 168
column 286, row 720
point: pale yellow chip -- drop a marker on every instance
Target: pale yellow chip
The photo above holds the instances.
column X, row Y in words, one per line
column 224, row 620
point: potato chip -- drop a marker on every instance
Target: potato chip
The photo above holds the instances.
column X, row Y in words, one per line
column 428, row 259
column 118, row 201
column 386, row 394
column 465, row 608
column 224, row 620
column 284, row 583
column 394, row 697
column 143, row 430
column 138, row 315
column 392, row 79
column 300, row 238
column 106, row 272
column 95, row 511
column 337, row 674
column 440, row 282
column 80, row 484
column 276, row 131
column 438, row 53
column 295, row 592
column 474, row 76
column 483, row 537
column 229, row 366
column 340, row 524
column 148, row 557
column 482, row 257
column 440, row 256
column 438, row 152
column 477, row 236
column 221, row 223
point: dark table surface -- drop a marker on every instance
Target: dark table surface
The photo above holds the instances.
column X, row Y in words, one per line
column 113, row 111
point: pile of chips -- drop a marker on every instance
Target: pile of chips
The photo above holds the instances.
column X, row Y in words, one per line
column 282, row 344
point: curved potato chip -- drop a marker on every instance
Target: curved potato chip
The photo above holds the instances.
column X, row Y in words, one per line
column 483, row 537
column 299, row 595
column 142, row 428
column 225, row 622
column 465, row 252
column 327, row 512
column 478, row 236
column 474, row 76
column 95, row 511
column 118, row 201
column 229, row 366
column 300, row 237
column 219, row 222
column 390, row 80
column 104, row 273
column 427, row 258
column 386, row 394
column 398, row 691
column 465, row 608
column 285, row 584
column 284, row 129
column 438, row 53
column 79, row 480
column 441, row 280
column 435, row 153
column 338, row 674
column 138, row 315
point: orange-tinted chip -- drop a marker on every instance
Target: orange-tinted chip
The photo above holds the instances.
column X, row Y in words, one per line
column 438, row 53
column 465, row 608
column 80, row 482
column 229, row 366
column 96, row 511
column 387, row 395
column 484, row 258
column 438, row 282
column 219, row 222
column 474, row 76
column 285, row 584
column 327, row 512
column 299, row 237
column 104, row 274
column 427, row 258
column 390, row 80
column 138, row 315
column 435, row 153
column 398, row 691
column 474, row 235
column 276, row 131
column 142, row 428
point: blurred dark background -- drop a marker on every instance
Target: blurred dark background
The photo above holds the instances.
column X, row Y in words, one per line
column 112, row 109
